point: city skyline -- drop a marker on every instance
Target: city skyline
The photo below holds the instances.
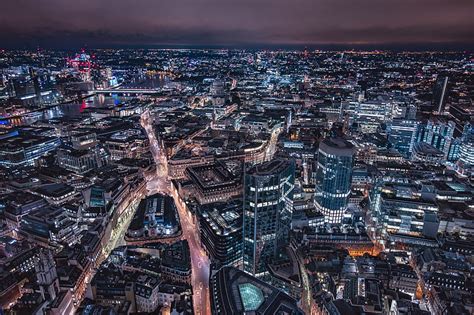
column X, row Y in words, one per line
column 231, row 181
column 217, row 157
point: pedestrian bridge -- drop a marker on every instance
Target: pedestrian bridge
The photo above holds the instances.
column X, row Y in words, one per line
column 126, row 91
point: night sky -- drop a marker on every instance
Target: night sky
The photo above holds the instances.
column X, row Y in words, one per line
column 103, row 23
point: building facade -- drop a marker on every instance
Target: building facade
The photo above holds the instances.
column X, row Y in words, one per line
column 268, row 204
column 333, row 178
column 402, row 135
column 221, row 231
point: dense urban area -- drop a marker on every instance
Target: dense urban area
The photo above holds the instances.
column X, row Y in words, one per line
column 179, row 181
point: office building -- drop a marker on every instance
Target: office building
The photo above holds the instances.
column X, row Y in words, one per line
column 49, row 225
column 268, row 205
column 23, row 148
column 221, row 231
column 82, row 161
column 236, row 292
column 400, row 209
column 440, row 94
column 216, row 182
column 368, row 115
column 466, row 152
column 333, row 178
column 438, row 133
column 428, row 154
column 130, row 143
column 402, row 135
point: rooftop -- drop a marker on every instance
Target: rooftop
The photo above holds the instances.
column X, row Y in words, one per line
column 224, row 218
column 269, row 168
column 236, row 292
column 337, row 146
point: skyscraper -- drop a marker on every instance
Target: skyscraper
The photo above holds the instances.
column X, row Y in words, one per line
column 268, row 203
column 368, row 115
column 36, row 83
column 333, row 177
column 220, row 225
column 437, row 132
column 466, row 154
column 440, row 94
column 402, row 135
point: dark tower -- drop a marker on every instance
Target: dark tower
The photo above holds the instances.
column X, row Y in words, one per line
column 36, row 84
column 440, row 94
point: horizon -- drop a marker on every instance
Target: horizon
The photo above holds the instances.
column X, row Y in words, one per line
column 386, row 47
column 217, row 157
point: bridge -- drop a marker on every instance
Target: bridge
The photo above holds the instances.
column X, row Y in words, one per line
column 126, row 91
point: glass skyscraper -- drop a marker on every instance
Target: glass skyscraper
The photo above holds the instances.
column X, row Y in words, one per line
column 402, row 135
column 466, row 152
column 333, row 178
column 438, row 133
column 268, row 208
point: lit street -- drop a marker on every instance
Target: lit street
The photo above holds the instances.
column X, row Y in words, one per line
column 199, row 260
column 236, row 158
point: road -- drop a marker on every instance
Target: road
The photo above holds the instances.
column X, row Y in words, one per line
column 118, row 234
column 116, row 239
column 199, row 260
column 271, row 148
column 306, row 298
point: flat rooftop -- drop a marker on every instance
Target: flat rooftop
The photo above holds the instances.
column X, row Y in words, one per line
column 269, row 168
column 224, row 217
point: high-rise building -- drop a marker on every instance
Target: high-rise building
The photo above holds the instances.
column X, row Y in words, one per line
column 268, row 206
column 438, row 133
column 220, row 225
column 333, row 177
column 466, row 152
column 47, row 277
column 36, row 84
column 402, row 135
column 440, row 94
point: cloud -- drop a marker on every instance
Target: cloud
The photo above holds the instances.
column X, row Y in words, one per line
column 225, row 22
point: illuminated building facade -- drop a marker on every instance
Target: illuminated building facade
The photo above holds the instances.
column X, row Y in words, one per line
column 466, row 153
column 402, row 135
column 221, row 231
column 20, row 149
column 333, row 178
column 82, row 63
column 268, row 206
column 440, row 94
column 438, row 133
column 401, row 210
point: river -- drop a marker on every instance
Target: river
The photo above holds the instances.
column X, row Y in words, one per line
column 75, row 109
